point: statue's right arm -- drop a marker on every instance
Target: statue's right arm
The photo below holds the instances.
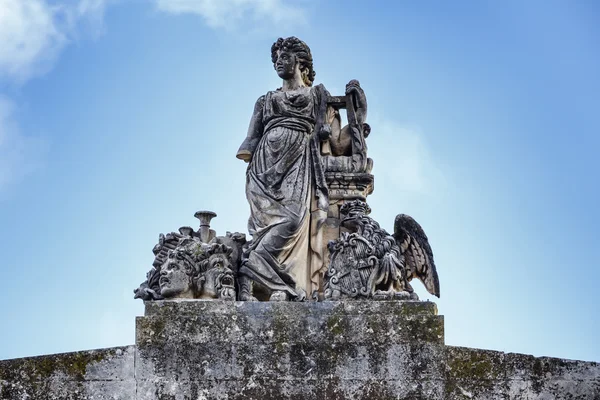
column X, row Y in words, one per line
column 255, row 132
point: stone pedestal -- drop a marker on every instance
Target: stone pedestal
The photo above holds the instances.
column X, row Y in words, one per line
column 270, row 350
column 210, row 350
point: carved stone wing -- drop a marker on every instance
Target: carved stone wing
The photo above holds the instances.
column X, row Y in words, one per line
column 415, row 248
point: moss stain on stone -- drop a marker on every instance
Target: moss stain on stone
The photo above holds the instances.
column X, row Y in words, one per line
column 335, row 325
column 280, row 330
column 34, row 374
column 151, row 330
column 475, row 369
column 73, row 364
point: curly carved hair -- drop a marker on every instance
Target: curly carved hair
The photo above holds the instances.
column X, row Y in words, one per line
column 302, row 52
column 186, row 259
column 214, row 252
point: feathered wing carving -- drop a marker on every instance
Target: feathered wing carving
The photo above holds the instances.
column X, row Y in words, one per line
column 417, row 254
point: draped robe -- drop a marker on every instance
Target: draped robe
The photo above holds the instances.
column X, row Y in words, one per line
column 286, row 190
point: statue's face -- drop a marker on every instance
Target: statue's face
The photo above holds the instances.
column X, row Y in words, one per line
column 174, row 282
column 218, row 276
column 286, row 64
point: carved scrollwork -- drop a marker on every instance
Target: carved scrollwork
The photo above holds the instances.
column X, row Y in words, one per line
column 352, row 268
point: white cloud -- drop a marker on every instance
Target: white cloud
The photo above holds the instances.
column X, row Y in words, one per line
column 30, row 37
column 402, row 158
column 33, row 33
column 230, row 13
column 19, row 154
column 91, row 7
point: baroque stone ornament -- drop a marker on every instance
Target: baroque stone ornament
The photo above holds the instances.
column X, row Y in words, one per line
column 308, row 179
column 198, row 270
column 370, row 263
column 307, row 183
column 353, row 270
column 194, row 264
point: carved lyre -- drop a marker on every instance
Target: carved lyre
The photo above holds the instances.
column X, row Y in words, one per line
column 346, row 150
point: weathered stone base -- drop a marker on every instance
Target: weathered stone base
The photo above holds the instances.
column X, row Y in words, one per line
column 330, row 350
column 95, row 374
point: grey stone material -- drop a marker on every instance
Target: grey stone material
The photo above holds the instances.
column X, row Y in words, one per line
column 275, row 350
column 194, row 264
column 349, row 185
column 211, row 349
column 306, row 184
column 333, row 350
column 371, row 263
column 296, row 147
column 95, row 374
column 485, row 374
column 331, row 322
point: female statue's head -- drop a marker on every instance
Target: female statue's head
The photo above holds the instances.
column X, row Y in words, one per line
column 289, row 52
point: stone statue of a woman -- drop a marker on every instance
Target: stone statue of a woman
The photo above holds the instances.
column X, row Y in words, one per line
column 285, row 183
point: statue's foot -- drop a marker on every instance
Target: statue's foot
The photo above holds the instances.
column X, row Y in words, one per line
column 300, row 295
column 279, row 295
column 247, row 297
column 245, row 293
column 414, row 297
column 317, row 296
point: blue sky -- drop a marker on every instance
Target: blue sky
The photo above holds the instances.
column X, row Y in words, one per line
column 120, row 119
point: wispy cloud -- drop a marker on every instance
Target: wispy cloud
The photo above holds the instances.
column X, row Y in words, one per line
column 34, row 32
column 402, row 158
column 19, row 154
column 31, row 38
column 229, row 14
column 88, row 14
column 32, row 35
